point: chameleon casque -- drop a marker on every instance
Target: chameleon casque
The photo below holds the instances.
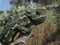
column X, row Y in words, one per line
column 21, row 21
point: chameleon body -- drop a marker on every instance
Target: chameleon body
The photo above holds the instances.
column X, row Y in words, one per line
column 21, row 22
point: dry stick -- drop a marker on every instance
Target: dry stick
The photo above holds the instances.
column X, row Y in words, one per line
column 23, row 40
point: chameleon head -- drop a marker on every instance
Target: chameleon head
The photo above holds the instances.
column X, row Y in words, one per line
column 36, row 16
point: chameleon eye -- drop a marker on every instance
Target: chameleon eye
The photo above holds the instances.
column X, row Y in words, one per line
column 38, row 12
column 28, row 12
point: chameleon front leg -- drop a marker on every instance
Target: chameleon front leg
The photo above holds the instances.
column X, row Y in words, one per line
column 26, row 34
column 23, row 29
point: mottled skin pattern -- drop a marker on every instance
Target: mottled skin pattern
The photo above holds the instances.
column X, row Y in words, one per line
column 22, row 23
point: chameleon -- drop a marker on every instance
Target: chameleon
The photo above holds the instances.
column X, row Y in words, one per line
column 21, row 22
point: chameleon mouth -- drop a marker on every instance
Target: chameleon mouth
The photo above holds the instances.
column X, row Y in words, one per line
column 41, row 16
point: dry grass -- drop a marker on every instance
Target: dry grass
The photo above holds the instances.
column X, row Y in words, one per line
column 41, row 33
